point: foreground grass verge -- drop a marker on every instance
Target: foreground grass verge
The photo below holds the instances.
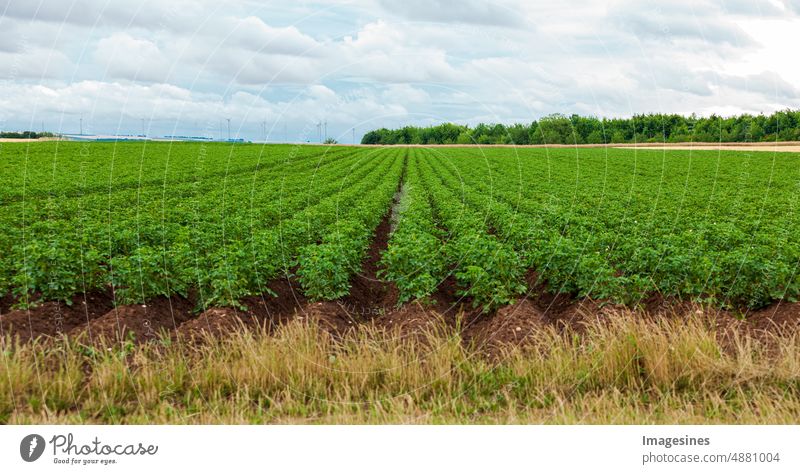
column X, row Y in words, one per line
column 624, row 370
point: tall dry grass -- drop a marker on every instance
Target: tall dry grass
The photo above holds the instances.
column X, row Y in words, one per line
column 625, row 370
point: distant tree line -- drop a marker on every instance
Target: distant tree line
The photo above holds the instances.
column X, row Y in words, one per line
column 576, row 129
column 25, row 134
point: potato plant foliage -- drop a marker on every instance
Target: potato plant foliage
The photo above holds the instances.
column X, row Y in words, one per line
column 222, row 221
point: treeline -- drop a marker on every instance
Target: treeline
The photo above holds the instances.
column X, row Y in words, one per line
column 26, row 134
column 576, row 129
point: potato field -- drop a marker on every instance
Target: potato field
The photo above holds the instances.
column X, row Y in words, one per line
column 221, row 222
column 218, row 283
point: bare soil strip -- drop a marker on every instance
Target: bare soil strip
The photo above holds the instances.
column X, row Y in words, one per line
column 781, row 147
column 28, row 140
column 373, row 304
column 790, row 147
column 53, row 318
column 138, row 323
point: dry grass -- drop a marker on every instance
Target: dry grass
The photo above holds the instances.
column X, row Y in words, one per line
column 627, row 370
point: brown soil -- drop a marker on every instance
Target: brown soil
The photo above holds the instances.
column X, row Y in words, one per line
column 368, row 294
column 137, row 322
column 415, row 320
column 780, row 317
column 562, row 309
column 509, row 325
column 213, row 322
column 661, row 306
column 266, row 311
column 5, row 304
column 332, row 316
column 270, row 310
column 715, row 144
column 53, row 318
column 787, row 147
column 446, row 299
column 28, row 140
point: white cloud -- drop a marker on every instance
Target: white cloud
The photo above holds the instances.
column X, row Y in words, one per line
column 253, row 34
column 457, row 11
column 33, row 64
column 176, row 15
column 126, row 57
column 767, row 83
column 380, row 62
column 405, row 94
column 680, row 20
column 389, row 53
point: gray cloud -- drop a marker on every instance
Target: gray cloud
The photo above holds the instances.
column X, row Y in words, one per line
column 669, row 22
column 179, row 15
column 673, row 76
column 254, row 34
column 793, row 5
column 767, row 83
column 125, row 57
column 10, row 40
column 33, row 64
column 455, row 11
column 751, row 7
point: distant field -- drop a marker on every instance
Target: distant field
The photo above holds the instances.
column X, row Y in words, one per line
column 783, row 147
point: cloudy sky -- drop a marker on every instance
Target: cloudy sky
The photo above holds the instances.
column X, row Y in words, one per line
column 278, row 68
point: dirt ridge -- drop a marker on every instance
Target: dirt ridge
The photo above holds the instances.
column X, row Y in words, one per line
column 371, row 302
